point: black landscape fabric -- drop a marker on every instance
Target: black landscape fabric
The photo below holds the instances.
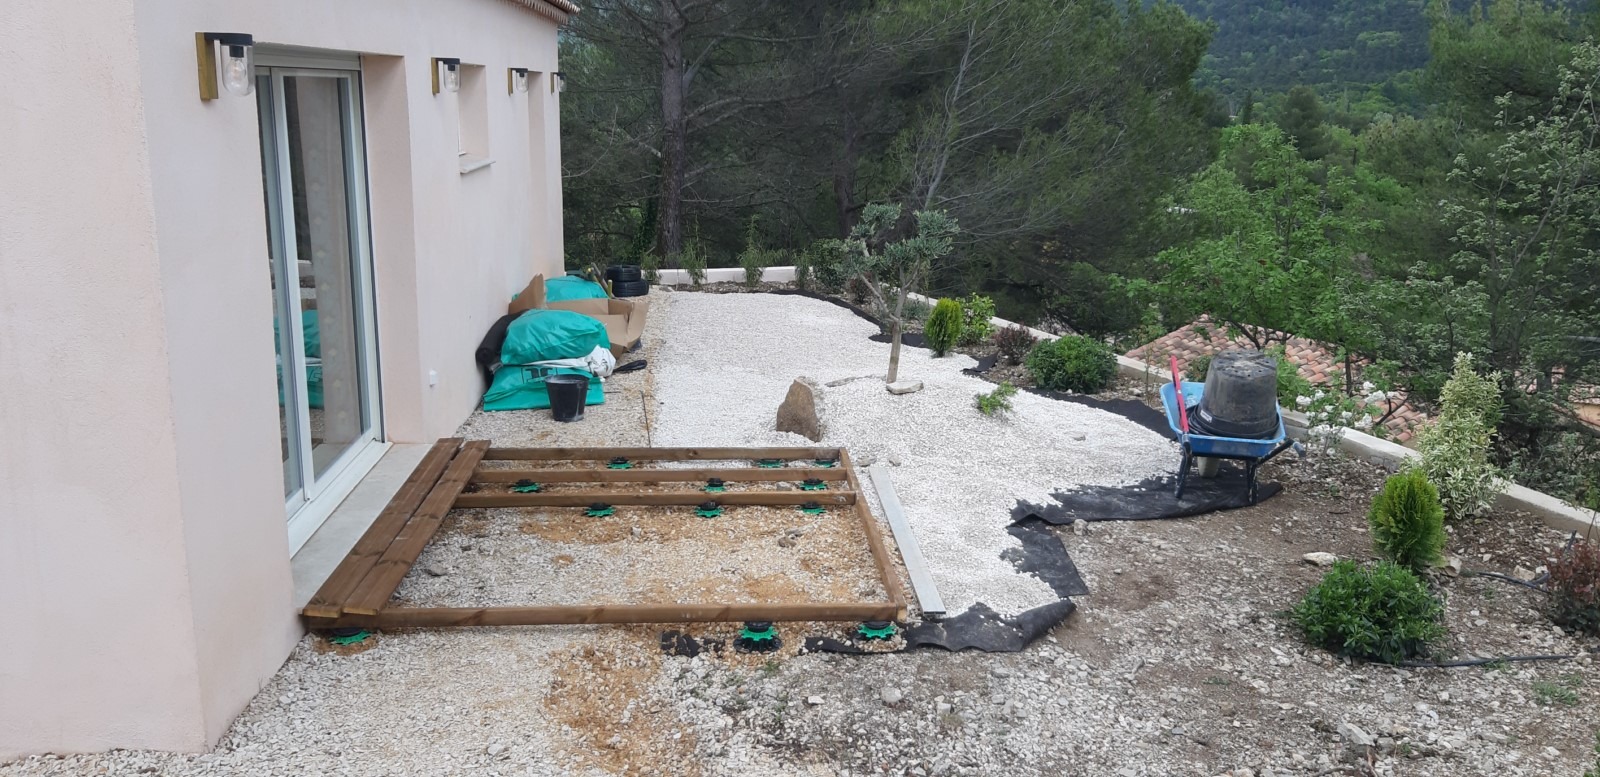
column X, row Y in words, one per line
column 1043, row 556
column 1148, row 500
column 983, row 629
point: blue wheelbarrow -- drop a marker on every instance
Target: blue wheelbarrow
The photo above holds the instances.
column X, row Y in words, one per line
column 1253, row 453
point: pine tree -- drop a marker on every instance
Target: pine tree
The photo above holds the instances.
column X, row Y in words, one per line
column 1302, row 119
column 1247, row 114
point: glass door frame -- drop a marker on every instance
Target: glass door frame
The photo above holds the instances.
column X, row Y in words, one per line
column 310, row 504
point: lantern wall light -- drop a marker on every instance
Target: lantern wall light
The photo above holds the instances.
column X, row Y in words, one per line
column 516, row 80
column 558, row 82
column 446, row 74
column 225, row 57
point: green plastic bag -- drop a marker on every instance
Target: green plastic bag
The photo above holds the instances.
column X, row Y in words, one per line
column 543, row 335
column 570, row 287
column 523, row 388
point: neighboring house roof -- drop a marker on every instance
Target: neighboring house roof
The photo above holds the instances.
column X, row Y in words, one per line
column 1316, row 362
column 557, row 10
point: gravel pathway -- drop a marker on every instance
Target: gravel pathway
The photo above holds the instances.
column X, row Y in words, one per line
column 728, row 359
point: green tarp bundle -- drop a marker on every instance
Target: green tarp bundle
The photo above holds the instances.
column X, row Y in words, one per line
column 523, row 388
column 569, row 287
column 543, row 335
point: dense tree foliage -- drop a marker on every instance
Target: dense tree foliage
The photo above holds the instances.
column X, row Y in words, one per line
column 1406, row 180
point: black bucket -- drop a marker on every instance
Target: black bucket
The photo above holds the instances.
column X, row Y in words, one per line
column 1241, row 397
column 568, row 393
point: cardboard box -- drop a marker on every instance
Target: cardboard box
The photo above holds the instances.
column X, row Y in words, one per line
column 623, row 318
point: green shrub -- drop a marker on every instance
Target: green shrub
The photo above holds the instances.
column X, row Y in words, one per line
column 1455, row 448
column 1594, row 771
column 976, row 310
column 997, row 401
column 1014, row 343
column 650, row 267
column 1574, row 588
column 1381, row 612
column 754, row 259
column 1291, row 386
column 1196, row 370
column 693, row 260
column 1072, row 363
column 1407, row 520
column 943, row 329
column 916, row 310
column 827, row 266
column 803, row 278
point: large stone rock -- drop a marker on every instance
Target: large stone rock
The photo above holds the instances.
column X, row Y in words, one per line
column 801, row 411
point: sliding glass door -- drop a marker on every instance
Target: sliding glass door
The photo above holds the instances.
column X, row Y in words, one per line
column 315, row 181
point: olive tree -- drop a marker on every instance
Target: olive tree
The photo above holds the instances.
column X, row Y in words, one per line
column 891, row 269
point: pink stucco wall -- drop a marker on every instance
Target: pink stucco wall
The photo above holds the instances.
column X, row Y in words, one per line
column 143, row 551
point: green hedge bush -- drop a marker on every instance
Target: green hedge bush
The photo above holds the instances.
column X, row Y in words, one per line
column 976, row 310
column 1407, row 520
column 943, row 329
column 1381, row 612
column 1072, row 363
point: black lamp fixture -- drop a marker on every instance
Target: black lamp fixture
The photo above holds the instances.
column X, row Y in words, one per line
column 516, row 80
column 234, row 68
column 558, row 82
column 446, row 74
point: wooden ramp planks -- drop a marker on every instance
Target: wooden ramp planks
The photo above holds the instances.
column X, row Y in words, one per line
column 682, row 498
column 385, row 576
column 330, row 598
column 731, row 475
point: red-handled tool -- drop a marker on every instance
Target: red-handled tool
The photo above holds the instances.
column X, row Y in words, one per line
column 1177, row 391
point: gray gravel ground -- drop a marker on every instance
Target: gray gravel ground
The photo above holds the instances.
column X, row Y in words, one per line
column 1177, row 663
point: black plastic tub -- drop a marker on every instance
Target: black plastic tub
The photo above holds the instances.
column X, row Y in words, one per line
column 567, row 396
column 1241, row 397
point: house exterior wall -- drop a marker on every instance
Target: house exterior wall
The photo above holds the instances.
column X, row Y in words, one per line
column 143, row 549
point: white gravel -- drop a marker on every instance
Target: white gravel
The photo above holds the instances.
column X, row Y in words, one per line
column 727, row 360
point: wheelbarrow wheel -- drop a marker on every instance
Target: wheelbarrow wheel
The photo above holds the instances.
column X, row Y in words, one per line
column 1183, row 471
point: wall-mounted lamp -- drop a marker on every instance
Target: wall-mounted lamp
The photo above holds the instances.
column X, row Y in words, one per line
column 234, row 66
column 516, row 80
column 446, row 74
column 558, row 82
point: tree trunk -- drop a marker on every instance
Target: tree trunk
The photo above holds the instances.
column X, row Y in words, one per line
column 844, row 178
column 894, row 331
column 894, row 352
column 674, row 129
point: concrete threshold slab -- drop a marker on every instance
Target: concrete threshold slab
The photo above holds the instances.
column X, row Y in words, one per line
column 333, row 541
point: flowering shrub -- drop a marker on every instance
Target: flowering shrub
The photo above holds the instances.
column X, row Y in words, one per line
column 1014, row 343
column 976, row 310
column 1455, row 448
column 1329, row 413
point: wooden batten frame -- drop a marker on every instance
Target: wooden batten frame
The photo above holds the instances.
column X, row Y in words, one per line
column 359, row 592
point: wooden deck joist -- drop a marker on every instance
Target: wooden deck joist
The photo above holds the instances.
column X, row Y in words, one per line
column 682, row 498
column 659, row 454
column 403, row 617
column 699, row 475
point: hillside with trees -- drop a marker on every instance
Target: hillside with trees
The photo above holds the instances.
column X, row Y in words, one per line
column 1103, row 182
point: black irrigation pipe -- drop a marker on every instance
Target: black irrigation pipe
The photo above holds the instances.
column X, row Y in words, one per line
column 1480, row 662
column 1535, row 584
